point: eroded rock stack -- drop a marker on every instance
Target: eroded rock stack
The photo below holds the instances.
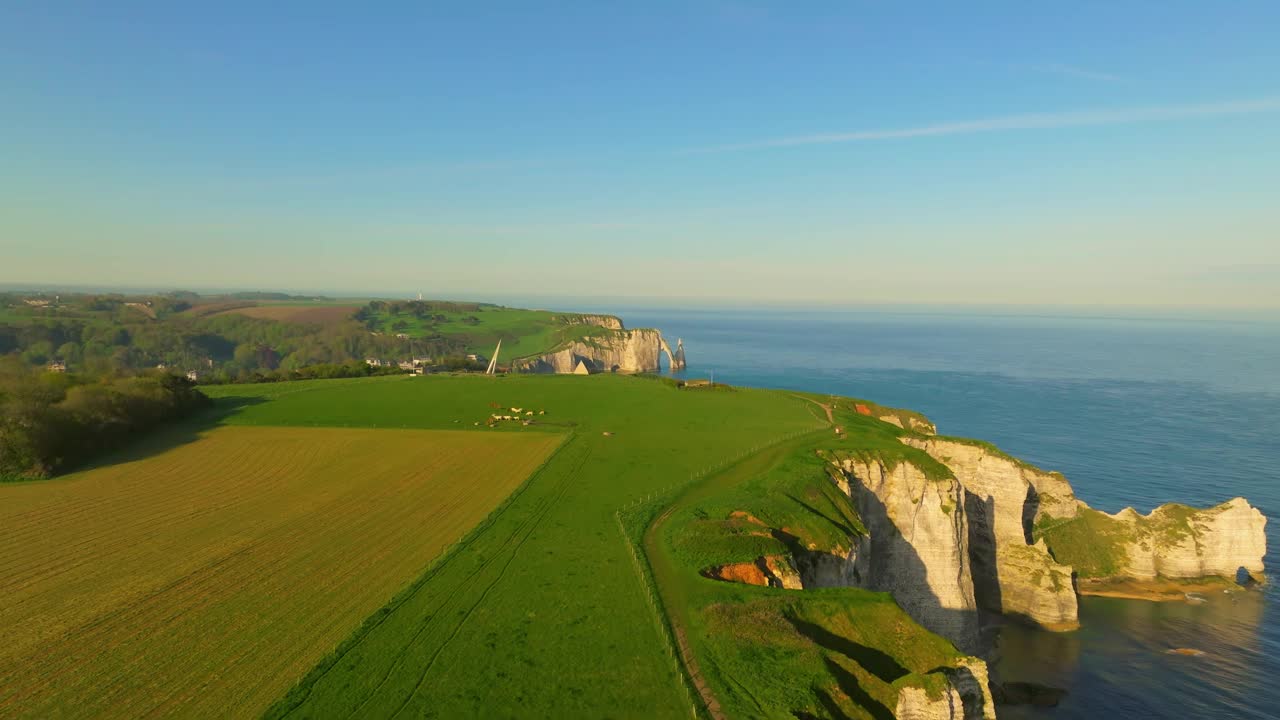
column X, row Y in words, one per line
column 1176, row 541
column 1171, row 542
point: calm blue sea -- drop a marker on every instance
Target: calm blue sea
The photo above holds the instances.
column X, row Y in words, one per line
column 1135, row 411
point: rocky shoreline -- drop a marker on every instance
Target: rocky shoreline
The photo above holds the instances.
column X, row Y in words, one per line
column 1160, row 590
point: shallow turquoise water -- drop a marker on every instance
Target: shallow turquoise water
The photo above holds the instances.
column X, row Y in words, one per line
column 1134, row 411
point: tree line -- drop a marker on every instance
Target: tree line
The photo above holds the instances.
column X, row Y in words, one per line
column 50, row 422
column 100, row 335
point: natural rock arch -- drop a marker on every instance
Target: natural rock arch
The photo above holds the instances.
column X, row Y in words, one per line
column 675, row 360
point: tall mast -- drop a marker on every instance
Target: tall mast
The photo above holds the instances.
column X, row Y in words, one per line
column 493, row 362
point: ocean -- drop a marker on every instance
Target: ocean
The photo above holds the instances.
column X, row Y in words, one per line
column 1135, row 411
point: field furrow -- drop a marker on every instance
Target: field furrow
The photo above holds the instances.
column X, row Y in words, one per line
column 203, row 581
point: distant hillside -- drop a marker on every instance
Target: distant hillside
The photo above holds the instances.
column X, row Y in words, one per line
column 248, row 335
column 478, row 327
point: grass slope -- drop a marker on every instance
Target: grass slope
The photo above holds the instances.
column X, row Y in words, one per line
column 766, row 652
column 204, row 579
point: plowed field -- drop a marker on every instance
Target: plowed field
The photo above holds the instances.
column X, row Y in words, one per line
column 206, row 579
column 303, row 314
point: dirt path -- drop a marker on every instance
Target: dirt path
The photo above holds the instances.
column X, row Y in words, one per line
column 827, row 408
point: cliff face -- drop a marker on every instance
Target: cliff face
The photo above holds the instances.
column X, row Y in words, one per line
column 918, row 703
column 917, row 546
column 909, row 423
column 1009, row 503
column 1222, row 540
column 1003, row 499
column 951, row 693
column 837, row 567
column 605, row 321
column 1173, row 541
column 626, row 351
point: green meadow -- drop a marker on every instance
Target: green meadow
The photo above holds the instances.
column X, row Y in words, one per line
column 523, row 332
column 539, row 612
column 582, row 595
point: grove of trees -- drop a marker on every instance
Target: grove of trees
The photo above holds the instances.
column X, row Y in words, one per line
column 104, row 334
column 50, row 422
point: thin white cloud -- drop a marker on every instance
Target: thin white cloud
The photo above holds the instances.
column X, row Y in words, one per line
column 1031, row 121
column 1073, row 71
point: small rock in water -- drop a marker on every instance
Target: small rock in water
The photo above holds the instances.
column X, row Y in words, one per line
column 1027, row 693
column 1195, row 598
column 1189, row 652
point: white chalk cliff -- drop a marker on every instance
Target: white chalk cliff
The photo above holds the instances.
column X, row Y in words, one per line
column 946, row 547
column 1011, row 575
column 1179, row 542
column 962, row 692
column 917, row 545
column 612, row 350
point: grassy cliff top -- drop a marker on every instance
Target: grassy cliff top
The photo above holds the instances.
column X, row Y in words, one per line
column 835, row 652
column 997, row 452
column 1095, row 543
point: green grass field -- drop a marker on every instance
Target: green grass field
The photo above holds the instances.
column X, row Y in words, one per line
column 523, row 332
column 542, row 609
column 542, row 614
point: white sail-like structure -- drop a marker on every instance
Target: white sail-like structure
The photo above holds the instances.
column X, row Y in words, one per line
column 493, row 362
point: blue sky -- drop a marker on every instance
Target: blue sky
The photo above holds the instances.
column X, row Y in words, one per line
column 986, row 153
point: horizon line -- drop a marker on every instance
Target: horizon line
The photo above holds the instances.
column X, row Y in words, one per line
column 690, row 301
